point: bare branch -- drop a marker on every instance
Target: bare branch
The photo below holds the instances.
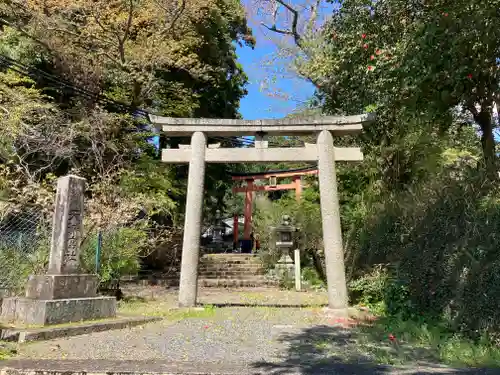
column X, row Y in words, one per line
column 314, row 16
column 276, row 30
column 121, row 41
column 293, row 31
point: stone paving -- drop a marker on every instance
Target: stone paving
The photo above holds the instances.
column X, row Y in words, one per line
column 229, row 340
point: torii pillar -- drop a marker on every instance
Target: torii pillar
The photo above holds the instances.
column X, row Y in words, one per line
column 324, row 153
column 247, row 229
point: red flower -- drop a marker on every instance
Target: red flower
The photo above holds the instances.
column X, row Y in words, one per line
column 469, row 76
column 372, row 57
column 206, row 327
column 370, row 67
column 445, row 14
column 365, row 46
column 391, row 337
column 363, row 36
column 378, row 52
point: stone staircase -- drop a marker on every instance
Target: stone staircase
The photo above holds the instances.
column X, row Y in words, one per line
column 233, row 271
column 217, row 271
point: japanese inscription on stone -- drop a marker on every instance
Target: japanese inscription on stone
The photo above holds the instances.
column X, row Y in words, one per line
column 67, row 226
column 70, row 257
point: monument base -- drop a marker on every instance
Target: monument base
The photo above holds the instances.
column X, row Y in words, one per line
column 47, row 287
column 57, row 311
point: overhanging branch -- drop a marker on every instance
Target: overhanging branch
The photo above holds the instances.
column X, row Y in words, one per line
column 293, row 31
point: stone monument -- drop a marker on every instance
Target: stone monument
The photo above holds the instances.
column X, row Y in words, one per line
column 63, row 295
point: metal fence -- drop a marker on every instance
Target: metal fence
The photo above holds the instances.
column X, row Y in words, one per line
column 24, row 247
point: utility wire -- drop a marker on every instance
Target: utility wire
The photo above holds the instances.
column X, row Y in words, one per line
column 34, row 72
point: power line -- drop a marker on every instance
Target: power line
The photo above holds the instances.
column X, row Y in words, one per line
column 34, row 72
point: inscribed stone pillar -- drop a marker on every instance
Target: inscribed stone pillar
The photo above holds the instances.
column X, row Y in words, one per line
column 63, row 295
column 63, row 278
column 188, row 287
column 67, row 226
column 332, row 235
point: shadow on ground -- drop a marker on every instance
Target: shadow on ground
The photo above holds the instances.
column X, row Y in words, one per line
column 335, row 350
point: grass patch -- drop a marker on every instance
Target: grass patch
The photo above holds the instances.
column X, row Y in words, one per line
column 163, row 309
column 7, row 350
column 398, row 342
column 62, row 325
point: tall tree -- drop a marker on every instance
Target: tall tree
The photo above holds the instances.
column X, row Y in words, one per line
column 177, row 57
column 432, row 61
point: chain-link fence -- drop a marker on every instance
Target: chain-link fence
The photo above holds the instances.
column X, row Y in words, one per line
column 24, row 247
column 111, row 251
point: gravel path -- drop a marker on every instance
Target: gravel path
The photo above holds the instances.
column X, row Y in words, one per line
column 241, row 340
column 251, row 335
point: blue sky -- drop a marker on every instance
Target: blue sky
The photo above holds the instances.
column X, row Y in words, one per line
column 258, row 104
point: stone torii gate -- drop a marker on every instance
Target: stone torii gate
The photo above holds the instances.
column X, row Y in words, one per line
column 324, row 153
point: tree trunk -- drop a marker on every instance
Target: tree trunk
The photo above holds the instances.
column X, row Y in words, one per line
column 485, row 121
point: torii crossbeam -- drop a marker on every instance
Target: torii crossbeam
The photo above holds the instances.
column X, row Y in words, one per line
column 323, row 152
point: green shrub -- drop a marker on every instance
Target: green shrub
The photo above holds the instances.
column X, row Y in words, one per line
column 369, row 289
column 312, row 279
column 442, row 240
column 120, row 253
column 17, row 265
column 286, row 280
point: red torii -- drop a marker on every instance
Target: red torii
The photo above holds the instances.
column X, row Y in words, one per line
column 250, row 187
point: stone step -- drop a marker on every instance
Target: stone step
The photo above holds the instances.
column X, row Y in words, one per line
column 224, row 274
column 229, row 255
column 235, row 283
column 231, row 263
column 231, row 269
column 231, row 259
column 230, row 266
column 241, row 276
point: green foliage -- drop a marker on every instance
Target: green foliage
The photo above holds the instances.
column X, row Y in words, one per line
column 17, row 266
column 369, row 289
column 441, row 239
column 414, row 63
column 120, row 253
column 311, row 278
column 172, row 58
column 423, row 340
column 7, row 350
column 286, row 280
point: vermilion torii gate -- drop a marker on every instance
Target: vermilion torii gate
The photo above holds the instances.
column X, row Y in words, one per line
column 323, row 152
column 250, row 187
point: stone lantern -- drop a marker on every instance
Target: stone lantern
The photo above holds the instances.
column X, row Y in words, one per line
column 218, row 231
column 286, row 241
